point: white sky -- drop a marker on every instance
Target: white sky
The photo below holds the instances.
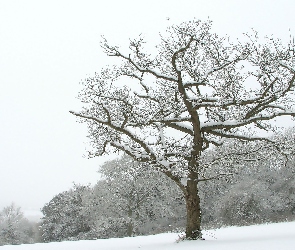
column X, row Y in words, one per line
column 47, row 47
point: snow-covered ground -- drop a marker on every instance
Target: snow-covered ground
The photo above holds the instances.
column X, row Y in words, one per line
column 280, row 236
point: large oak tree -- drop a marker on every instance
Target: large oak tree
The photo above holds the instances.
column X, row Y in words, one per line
column 195, row 90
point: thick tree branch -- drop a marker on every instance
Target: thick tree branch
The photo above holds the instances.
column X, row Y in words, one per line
column 176, row 180
column 180, row 127
column 210, row 126
column 239, row 137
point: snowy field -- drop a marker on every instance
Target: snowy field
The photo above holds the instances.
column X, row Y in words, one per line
column 279, row 236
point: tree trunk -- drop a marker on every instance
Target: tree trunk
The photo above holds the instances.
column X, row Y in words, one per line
column 130, row 222
column 130, row 228
column 193, row 210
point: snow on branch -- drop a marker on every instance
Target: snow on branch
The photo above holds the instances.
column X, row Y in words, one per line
column 211, row 71
column 180, row 126
column 238, row 136
column 143, row 153
column 125, row 131
column 208, row 127
column 113, row 51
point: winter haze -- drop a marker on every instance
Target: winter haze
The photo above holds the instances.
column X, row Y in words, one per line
column 47, row 47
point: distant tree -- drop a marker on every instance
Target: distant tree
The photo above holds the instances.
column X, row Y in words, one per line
column 14, row 227
column 132, row 199
column 249, row 201
column 168, row 107
column 64, row 217
column 284, row 183
column 259, row 188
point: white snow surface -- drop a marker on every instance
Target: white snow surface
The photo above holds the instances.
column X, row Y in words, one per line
column 279, row 236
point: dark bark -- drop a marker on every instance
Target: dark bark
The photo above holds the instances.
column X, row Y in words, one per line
column 130, row 229
column 193, row 208
column 130, row 223
column 193, row 225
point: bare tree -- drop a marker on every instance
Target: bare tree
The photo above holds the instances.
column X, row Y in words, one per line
column 197, row 89
column 141, row 195
column 14, row 227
